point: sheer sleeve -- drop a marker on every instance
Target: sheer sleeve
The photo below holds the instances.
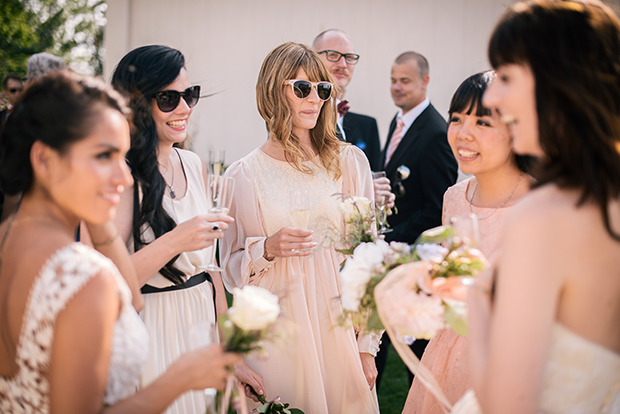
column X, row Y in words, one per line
column 356, row 175
column 242, row 247
column 357, row 180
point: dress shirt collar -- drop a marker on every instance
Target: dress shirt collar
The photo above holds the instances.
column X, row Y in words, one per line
column 409, row 117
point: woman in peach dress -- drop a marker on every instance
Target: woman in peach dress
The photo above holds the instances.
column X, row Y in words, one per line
column 482, row 146
column 323, row 368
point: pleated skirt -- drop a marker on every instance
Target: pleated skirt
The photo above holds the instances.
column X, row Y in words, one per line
column 168, row 317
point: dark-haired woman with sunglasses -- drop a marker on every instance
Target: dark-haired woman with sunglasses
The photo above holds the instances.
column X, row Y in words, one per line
column 164, row 216
column 322, row 368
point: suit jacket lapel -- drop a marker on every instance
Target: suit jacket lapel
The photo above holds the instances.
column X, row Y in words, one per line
column 403, row 149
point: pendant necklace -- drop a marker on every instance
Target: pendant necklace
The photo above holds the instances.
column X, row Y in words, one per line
column 503, row 204
column 170, row 186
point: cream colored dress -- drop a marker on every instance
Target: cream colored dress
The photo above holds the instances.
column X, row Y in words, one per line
column 168, row 315
column 446, row 354
column 316, row 367
column 581, row 377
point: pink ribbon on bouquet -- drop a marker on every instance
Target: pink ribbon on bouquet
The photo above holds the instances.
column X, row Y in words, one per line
column 399, row 281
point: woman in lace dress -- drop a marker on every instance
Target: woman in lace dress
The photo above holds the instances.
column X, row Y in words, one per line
column 481, row 144
column 71, row 341
column 164, row 217
column 320, row 368
column 545, row 339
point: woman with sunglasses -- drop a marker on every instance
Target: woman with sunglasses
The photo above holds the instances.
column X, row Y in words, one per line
column 71, row 341
column 544, row 336
column 321, row 367
column 164, row 216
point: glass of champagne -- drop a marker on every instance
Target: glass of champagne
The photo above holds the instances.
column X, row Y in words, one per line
column 299, row 208
column 221, row 192
column 216, row 161
column 202, row 334
column 467, row 230
column 382, row 228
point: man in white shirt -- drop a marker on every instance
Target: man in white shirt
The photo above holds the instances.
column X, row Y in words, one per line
column 417, row 142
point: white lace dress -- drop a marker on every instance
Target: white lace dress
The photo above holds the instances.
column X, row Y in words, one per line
column 61, row 277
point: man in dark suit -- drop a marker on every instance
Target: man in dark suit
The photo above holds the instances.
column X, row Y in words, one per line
column 416, row 140
column 12, row 86
column 337, row 52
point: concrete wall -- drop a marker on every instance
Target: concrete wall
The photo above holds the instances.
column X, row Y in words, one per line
column 225, row 42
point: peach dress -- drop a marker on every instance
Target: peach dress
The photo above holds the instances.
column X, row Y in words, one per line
column 446, row 354
column 316, row 366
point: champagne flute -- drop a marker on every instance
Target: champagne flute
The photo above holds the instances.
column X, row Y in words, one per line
column 381, row 218
column 299, row 208
column 216, row 161
column 221, row 192
column 202, row 334
column 466, row 229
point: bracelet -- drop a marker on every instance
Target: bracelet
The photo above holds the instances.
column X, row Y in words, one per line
column 108, row 241
column 265, row 255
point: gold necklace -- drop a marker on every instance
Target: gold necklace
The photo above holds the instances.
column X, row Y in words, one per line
column 503, row 204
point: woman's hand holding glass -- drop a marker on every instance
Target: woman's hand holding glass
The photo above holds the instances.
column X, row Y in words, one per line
column 199, row 232
column 289, row 242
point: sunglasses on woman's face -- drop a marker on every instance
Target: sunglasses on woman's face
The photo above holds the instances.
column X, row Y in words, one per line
column 302, row 88
column 167, row 101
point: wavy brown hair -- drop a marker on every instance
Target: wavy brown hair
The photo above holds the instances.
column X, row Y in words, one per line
column 573, row 50
column 282, row 64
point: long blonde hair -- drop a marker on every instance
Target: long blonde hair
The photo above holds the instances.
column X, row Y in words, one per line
column 282, row 64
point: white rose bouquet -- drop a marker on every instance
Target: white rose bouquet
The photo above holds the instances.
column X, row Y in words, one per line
column 429, row 302
column 249, row 320
column 359, row 223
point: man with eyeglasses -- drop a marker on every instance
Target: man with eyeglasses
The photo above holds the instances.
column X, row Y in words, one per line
column 337, row 52
column 11, row 87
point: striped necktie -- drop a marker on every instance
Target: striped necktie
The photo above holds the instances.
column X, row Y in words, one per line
column 397, row 136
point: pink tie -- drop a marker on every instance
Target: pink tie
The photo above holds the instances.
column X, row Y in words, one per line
column 397, row 136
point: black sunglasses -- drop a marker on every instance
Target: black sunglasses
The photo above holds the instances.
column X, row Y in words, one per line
column 167, row 101
column 302, row 88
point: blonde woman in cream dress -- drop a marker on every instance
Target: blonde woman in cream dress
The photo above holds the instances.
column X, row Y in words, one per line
column 320, row 367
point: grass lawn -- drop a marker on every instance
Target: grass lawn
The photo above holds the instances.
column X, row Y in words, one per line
column 394, row 385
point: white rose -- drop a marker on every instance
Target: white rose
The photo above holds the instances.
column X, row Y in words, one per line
column 431, row 252
column 364, row 206
column 371, row 254
column 254, row 308
column 352, row 207
column 353, row 280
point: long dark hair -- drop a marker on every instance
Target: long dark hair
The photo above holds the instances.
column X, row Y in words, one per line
column 573, row 50
column 468, row 97
column 140, row 74
column 58, row 109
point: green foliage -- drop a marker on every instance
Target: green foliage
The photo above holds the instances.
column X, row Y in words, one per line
column 71, row 29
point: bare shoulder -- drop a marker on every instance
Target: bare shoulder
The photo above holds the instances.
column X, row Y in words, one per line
column 543, row 210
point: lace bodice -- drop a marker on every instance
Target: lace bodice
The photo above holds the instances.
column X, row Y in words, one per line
column 60, row 278
column 275, row 179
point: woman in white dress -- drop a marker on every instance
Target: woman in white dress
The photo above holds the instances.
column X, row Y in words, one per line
column 71, row 342
column 323, row 368
column 164, row 217
column 545, row 337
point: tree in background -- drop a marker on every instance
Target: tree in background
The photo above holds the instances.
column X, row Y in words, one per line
column 71, row 29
